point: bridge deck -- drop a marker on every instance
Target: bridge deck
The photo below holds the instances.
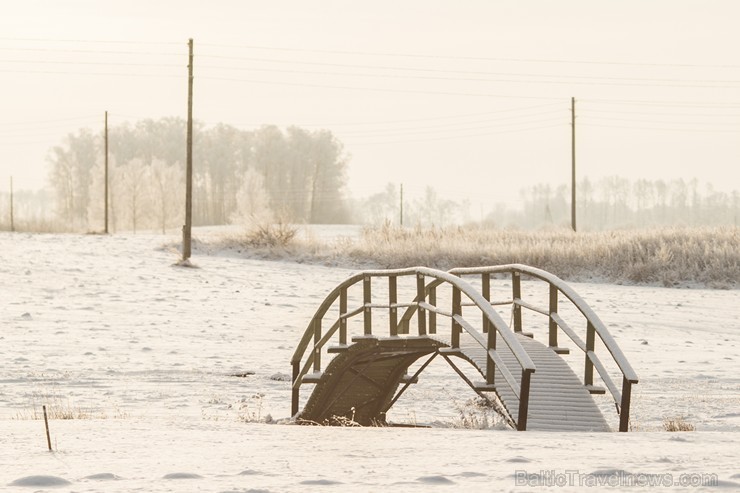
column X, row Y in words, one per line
column 360, row 382
column 558, row 399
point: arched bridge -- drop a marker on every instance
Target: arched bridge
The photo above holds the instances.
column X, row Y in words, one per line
column 531, row 383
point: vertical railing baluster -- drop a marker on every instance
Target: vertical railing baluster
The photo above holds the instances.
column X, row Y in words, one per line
column 343, row 316
column 393, row 310
column 624, row 411
column 433, row 315
column 296, row 393
column 490, row 365
column 588, row 377
column 316, row 348
column 516, row 287
column 456, row 310
column 521, row 424
column 296, row 389
column 486, row 292
column 421, row 314
column 553, row 339
column 366, row 300
column 488, row 329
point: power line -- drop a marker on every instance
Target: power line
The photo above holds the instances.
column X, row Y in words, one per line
column 544, row 79
column 99, row 41
column 80, row 51
column 407, row 120
column 437, row 128
column 56, row 120
column 104, row 74
column 65, row 62
column 687, row 104
column 489, row 59
column 378, row 89
column 640, row 120
column 485, row 134
column 665, row 129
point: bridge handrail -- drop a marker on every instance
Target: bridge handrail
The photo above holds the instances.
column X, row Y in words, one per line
column 594, row 324
column 577, row 301
column 509, row 337
column 490, row 315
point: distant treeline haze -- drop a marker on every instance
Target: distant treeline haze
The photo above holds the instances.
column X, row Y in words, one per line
column 299, row 176
column 295, row 175
column 610, row 203
column 616, row 202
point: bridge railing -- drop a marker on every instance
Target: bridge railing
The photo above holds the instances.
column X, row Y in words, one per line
column 594, row 327
column 306, row 360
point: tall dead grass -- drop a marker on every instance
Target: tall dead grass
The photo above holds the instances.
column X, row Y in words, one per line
column 663, row 256
column 703, row 256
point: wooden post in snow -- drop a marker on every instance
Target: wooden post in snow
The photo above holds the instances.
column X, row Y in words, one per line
column 106, row 173
column 12, row 223
column 187, row 229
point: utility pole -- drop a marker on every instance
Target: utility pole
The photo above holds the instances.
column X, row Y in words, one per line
column 401, row 204
column 187, row 229
column 106, row 172
column 573, row 163
column 12, row 224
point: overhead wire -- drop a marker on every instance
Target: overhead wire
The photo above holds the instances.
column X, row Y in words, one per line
column 426, row 127
column 476, row 58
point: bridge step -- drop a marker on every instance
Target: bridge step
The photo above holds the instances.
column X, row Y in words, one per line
column 595, row 389
column 560, row 350
column 313, row 377
column 339, row 348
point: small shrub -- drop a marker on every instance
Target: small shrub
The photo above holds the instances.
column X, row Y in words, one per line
column 270, row 235
column 479, row 414
column 251, row 413
column 677, row 424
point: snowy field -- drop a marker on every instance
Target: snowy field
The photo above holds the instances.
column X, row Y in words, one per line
column 178, row 381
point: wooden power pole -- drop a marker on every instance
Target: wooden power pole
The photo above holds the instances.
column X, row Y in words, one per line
column 573, row 163
column 187, row 229
column 12, row 224
column 106, row 172
column 401, row 204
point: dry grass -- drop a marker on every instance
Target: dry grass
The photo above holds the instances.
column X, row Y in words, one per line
column 665, row 256
column 480, row 414
column 60, row 408
column 669, row 257
column 677, row 424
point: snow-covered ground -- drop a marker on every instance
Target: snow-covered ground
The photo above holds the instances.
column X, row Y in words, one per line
column 177, row 376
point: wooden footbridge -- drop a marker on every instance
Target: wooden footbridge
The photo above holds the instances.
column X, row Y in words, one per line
column 529, row 382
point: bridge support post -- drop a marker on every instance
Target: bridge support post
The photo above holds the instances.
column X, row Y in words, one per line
column 342, row 317
column 316, row 348
column 485, row 283
column 516, row 287
column 393, row 310
column 456, row 311
column 624, row 410
column 588, row 376
column 296, row 390
column 553, row 336
column 421, row 296
column 366, row 300
column 521, row 424
column 433, row 315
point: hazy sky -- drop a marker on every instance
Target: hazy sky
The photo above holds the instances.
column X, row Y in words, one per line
column 471, row 97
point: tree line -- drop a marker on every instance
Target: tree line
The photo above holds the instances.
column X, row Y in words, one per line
column 295, row 175
column 609, row 203
column 616, row 202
